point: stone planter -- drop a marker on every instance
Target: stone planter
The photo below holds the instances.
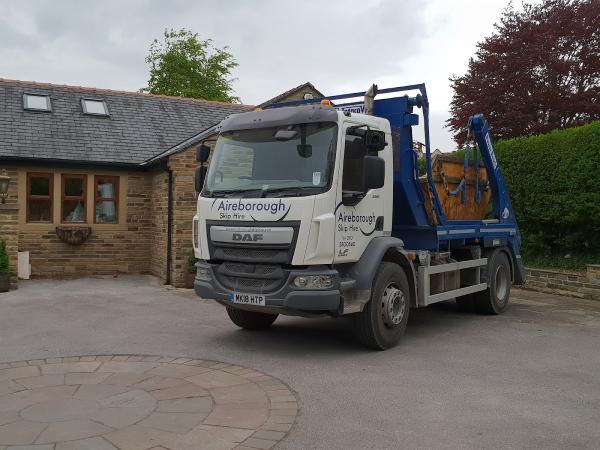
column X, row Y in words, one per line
column 188, row 280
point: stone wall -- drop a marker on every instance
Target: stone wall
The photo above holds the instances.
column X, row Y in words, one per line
column 111, row 249
column 158, row 233
column 137, row 245
column 183, row 166
column 9, row 220
column 585, row 284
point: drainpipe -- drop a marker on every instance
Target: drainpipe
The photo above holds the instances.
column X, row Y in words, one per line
column 169, row 227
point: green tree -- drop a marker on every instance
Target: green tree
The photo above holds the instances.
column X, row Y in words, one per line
column 539, row 70
column 181, row 64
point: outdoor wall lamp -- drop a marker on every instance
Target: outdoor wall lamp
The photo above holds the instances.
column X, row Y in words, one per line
column 4, row 181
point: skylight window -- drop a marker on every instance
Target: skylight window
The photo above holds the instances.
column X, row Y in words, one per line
column 36, row 102
column 94, row 107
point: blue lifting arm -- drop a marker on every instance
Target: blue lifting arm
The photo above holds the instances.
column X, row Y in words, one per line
column 462, row 186
column 501, row 201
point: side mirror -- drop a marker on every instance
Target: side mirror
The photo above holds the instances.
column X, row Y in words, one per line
column 199, row 178
column 374, row 172
column 202, row 153
column 375, row 140
column 355, row 147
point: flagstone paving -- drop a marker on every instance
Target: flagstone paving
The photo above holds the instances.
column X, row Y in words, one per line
column 139, row 402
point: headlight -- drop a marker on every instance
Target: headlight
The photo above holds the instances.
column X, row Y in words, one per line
column 203, row 273
column 314, row 281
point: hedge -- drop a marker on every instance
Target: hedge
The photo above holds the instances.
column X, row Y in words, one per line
column 554, row 184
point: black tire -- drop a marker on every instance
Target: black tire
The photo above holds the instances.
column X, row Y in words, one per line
column 383, row 320
column 494, row 300
column 250, row 320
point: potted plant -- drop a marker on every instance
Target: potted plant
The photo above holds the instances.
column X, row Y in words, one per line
column 4, row 273
column 190, row 271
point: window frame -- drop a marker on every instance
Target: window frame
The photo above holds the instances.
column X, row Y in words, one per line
column 84, row 197
column 117, row 183
column 88, row 99
column 358, row 160
column 31, row 94
column 49, row 197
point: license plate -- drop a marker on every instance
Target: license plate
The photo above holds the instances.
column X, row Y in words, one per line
column 247, row 299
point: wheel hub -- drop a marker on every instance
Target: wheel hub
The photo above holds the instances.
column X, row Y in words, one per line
column 393, row 306
column 501, row 283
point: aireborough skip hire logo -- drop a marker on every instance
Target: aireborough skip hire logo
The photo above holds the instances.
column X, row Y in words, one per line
column 236, row 209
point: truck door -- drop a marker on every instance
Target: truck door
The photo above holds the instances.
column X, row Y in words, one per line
column 359, row 213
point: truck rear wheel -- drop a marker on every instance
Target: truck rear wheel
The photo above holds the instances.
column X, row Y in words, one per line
column 383, row 320
column 250, row 320
column 493, row 300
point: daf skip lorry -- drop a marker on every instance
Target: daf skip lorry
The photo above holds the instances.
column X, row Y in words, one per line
column 317, row 207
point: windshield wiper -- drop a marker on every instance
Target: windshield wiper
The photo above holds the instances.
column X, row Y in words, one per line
column 290, row 191
column 229, row 193
column 294, row 191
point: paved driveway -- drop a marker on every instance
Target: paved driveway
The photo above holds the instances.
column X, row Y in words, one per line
column 527, row 379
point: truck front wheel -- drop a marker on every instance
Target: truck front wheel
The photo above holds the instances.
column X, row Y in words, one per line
column 383, row 320
column 250, row 320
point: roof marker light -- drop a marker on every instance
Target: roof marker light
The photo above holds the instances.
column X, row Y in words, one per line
column 326, row 102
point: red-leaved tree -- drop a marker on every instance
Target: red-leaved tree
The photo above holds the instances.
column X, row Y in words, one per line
column 539, row 70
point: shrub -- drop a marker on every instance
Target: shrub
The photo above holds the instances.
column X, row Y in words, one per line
column 554, row 186
column 3, row 259
column 191, row 263
column 553, row 182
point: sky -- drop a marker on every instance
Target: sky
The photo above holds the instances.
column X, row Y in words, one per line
column 339, row 46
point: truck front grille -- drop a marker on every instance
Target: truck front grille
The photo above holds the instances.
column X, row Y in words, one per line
column 250, row 252
column 258, row 269
column 250, row 284
column 250, row 277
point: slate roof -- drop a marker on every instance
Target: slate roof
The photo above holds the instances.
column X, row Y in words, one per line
column 210, row 131
column 140, row 126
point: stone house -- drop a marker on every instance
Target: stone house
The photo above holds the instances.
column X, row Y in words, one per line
column 101, row 181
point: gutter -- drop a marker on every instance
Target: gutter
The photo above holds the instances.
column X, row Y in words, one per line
column 36, row 162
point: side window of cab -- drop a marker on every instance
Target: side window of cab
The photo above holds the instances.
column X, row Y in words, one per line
column 363, row 169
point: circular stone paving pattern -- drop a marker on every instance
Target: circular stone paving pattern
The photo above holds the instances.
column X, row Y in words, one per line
column 140, row 402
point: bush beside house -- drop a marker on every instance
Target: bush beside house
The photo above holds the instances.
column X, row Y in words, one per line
column 4, row 270
column 553, row 183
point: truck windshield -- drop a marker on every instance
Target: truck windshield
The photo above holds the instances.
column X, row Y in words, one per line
column 293, row 160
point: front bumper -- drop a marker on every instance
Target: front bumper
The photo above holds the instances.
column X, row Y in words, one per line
column 288, row 299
